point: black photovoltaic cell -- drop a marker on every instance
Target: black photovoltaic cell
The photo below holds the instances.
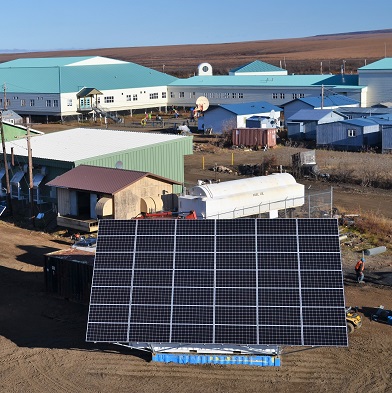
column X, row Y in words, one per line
column 249, row 281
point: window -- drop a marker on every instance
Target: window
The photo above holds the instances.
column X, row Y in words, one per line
column 351, row 133
column 32, row 102
column 48, row 102
column 240, row 95
column 129, row 97
column 56, row 103
column 153, row 96
column 108, row 99
column 181, row 94
column 7, row 102
column 295, row 95
column 69, row 102
column 22, row 102
column 282, row 96
column 172, row 95
column 164, row 94
column 135, row 97
column 233, row 95
column 301, row 95
column 274, row 96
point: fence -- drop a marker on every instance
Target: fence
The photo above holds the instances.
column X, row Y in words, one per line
column 318, row 204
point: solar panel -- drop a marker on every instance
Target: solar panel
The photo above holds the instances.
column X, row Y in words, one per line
column 243, row 282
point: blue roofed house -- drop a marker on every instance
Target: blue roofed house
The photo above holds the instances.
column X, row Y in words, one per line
column 385, row 122
column 332, row 101
column 227, row 117
column 350, row 134
column 303, row 124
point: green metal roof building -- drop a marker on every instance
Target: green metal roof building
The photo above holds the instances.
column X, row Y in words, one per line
column 58, row 152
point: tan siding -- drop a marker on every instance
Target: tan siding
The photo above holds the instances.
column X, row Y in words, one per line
column 127, row 202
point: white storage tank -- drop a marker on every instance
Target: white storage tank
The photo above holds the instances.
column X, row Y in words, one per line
column 244, row 197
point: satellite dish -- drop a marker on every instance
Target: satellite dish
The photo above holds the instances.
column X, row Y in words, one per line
column 202, row 103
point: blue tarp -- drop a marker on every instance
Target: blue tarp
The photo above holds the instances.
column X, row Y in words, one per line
column 249, row 360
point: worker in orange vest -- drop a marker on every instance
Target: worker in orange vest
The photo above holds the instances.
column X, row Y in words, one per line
column 359, row 268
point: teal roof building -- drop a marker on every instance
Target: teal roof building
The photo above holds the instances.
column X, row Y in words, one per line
column 50, row 86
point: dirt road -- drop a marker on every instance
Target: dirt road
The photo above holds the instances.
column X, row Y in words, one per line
column 42, row 346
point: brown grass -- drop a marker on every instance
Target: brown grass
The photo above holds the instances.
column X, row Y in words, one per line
column 302, row 55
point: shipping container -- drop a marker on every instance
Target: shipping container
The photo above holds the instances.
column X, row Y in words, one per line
column 68, row 274
column 254, row 137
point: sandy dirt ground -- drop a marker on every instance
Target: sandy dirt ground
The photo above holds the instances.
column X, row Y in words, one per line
column 42, row 347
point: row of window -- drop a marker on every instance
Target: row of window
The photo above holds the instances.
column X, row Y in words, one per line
column 282, row 96
column 23, row 102
column 181, row 94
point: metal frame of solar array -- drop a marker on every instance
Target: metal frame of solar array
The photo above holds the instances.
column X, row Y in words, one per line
column 249, row 281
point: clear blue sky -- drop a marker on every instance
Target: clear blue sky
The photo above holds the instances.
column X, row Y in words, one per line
column 77, row 24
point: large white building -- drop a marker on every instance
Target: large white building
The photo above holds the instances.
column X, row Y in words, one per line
column 377, row 77
column 94, row 85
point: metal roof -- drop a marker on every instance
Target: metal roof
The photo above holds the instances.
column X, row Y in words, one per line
column 365, row 111
column 310, row 114
column 68, row 75
column 247, row 108
column 83, row 143
column 361, row 122
column 268, row 81
column 257, row 66
column 99, row 179
column 88, row 91
column 333, row 100
column 383, row 64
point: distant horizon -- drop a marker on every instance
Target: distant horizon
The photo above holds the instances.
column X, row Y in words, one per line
column 13, row 51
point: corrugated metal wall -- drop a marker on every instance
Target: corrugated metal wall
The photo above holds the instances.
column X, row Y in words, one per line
column 254, row 137
column 164, row 159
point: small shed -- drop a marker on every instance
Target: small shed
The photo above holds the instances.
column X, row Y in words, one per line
column 11, row 117
column 87, row 193
column 353, row 134
column 303, row 124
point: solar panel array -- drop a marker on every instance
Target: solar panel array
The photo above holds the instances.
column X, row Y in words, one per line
column 249, row 281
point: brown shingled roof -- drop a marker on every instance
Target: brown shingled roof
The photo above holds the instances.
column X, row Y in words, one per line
column 99, row 179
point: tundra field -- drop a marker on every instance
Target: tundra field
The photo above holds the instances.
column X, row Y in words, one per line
column 42, row 345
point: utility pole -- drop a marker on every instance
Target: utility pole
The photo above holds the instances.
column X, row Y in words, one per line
column 7, row 178
column 5, row 97
column 322, row 96
column 30, row 166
